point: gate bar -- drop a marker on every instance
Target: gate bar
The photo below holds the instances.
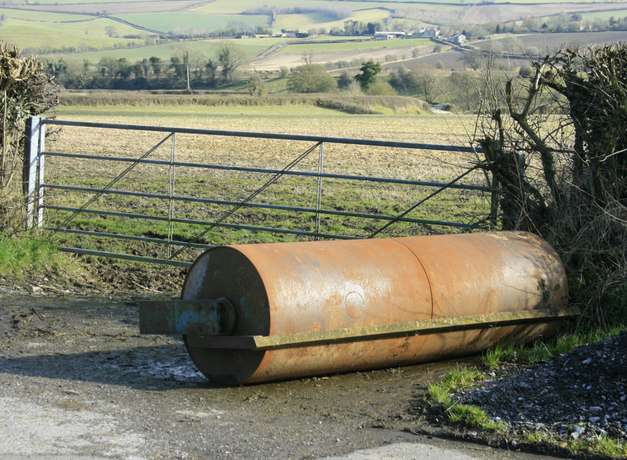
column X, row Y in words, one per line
column 278, row 136
column 119, row 255
column 121, row 236
column 252, row 228
column 192, row 199
column 387, row 180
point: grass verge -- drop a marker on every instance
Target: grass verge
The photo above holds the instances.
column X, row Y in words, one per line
column 544, row 350
column 441, row 394
column 28, row 254
column 602, row 446
column 464, row 414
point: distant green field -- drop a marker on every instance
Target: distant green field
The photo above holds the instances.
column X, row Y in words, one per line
column 195, row 22
column 358, row 46
column 35, row 30
column 84, row 36
column 200, row 48
column 605, row 15
column 321, row 20
column 248, row 47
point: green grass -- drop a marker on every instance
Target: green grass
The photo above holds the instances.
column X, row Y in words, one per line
column 474, row 417
column 464, row 414
column 285, row 116
column 355, row 46
column 458, row 379
column 184, row 111
column 197, row 48
column 604, row 15
column 194, row 22
column 603, row 445
column 543, row 350
column 305, row 22
column 27, row 254
column 48, row 31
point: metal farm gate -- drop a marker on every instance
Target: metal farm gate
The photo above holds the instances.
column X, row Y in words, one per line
column 66, row 199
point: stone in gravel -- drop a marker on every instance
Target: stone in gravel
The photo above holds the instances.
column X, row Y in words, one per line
column 578, row 431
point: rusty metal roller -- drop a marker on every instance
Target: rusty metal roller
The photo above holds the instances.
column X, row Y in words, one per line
column 258, row 312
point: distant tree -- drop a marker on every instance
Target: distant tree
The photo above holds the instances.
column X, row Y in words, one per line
column 430, row 86
column 155, row 65
column 368, row 74
column 284, row 72
column 124, row 69
column 405, row 82
column 465, row 86
column 211, row 70
column 256, row 86
column 110, row 31
column 230, row 59
column 56, row 69
column 308, row 57
column 372, row 27
column 145, row 66
column 472, row 59
column 381, row 87
column 107, row 67
column 524, row 71
column 344, row 82
column 310, row 78
column 178, row 67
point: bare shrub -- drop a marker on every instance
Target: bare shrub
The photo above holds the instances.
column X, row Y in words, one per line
column 556, row 145
column 25, row 90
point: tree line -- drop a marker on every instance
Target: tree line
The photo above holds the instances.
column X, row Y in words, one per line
column 182, row 71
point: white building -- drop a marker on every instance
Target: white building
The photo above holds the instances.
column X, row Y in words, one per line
column 458, row 39
column 427, row 32
column 384, row 35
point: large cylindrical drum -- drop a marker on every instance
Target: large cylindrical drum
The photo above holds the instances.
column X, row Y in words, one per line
column 283, row 289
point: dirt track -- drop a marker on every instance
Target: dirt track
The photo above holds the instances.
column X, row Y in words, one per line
column 77, row 380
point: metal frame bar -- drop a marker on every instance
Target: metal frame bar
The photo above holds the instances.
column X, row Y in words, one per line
column 332, row 212
column 172, row 198
column 119, row 255
column 121, row 236
column 268, row 183
column 319, row 187
column 29, row 172
column 117, row 178
column 258, row 135
column 252, row 228
column 386, row 180
column 421, row 202
column 406, row 329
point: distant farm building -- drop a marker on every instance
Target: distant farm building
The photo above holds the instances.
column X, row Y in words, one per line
column 430, row 32
column 291, row 34
column 384, row 35
column 458, row 39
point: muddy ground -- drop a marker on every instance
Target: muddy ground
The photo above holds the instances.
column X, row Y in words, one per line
column 76, row 379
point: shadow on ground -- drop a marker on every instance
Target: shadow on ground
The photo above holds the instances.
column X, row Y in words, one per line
column 152, row 367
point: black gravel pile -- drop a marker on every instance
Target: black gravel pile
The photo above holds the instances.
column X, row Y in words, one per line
column 579, row 394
